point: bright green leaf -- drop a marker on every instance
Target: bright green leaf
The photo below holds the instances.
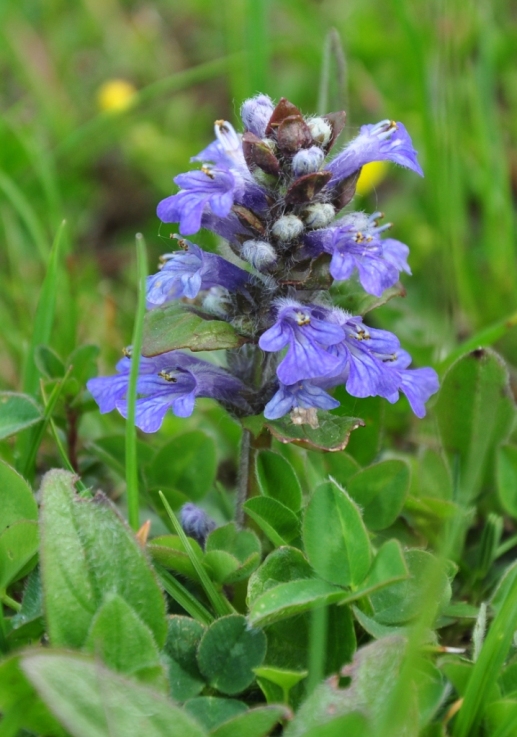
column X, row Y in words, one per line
column 17, row 501
column 282, row 565
column 380, row 491
column 278, row 480
column 336, row 541
column 278, row 522
column 18, row 547
column 17, row 412
column 507, row 478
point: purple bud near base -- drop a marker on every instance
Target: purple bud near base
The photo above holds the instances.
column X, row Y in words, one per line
column 196, row 523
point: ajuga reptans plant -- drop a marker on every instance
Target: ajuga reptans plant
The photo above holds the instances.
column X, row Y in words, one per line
column 276, row 200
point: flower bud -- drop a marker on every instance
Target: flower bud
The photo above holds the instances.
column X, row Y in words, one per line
column 319, row 215
column 255, row 114
column 287, row 227
column 216, row 301
column 307, row 161
column 196, row 523
column 320, row 129
column 258, row 253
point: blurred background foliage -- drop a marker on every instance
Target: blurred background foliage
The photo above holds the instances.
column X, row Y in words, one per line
column 103, row 102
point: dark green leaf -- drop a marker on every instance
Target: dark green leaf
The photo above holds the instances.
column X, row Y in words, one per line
column 228, row 652
column 173, row 326
column 83, row 362
column 278, row 480
column 336, row 541
column 475, row 412
column 332, row 432
column 256, row 722
column 16, row 498
column 380, row 491
column 48, row 362
column 18, row 547
column 91, row 701
column 210, row 711
column 278, row 522
column 340, row 466
column 86, row 553
column 183, row 638
column 363, row 446
column 177, row 464
column 17, row 412
column 124, row 643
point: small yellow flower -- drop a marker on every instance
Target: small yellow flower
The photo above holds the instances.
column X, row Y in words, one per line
column 371, row 175
column 115, row 95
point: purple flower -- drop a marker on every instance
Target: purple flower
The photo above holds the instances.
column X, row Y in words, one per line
column 355, row 243
column 387, row 140
column 255, row 114
column 188, row 271
column 211, row 189
column 302, row 395
column 307, row 334
column 196, row 523
column 374, row 364
column 170, row 381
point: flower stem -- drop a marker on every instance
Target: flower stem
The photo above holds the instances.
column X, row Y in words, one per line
column 244, row 477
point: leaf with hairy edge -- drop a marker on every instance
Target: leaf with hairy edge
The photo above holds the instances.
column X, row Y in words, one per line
column 87, row 552
column 332, row 433
column 91, row 701
column 282, row 565
column 173, row 326
column 124, row 643
column 17, row 412
column 336, row 541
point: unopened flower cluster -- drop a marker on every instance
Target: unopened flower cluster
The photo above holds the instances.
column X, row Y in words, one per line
column 276, row 200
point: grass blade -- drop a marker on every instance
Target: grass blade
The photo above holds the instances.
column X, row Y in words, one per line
column 131, row 452
column 24, row 209
column 183, row 596
column 221, row 605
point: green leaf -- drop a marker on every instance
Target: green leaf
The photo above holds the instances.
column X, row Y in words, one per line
column 363, row 446
column 278, row 522
column 169, row 551
column 228, row 652
column 403, row 601
column 123, row 642
column 111, row 450
column 183, row 638
column 292, row 598
column 507, row 478
column 18, row 550
column 286, row 679
column 17, row 696
column 83, row 361
column 332, row 433
column 87, row 552
column 173, row 326
column 48, row 362
column 210, row 711
column 336, row 541
column 488, row 665
column 256, row 722
column 232, row 554
column 380, row 491
column 17, row 412
column 176, row 465
column 475, row 412
column 16, row 498
column 184, row 597
column 27, row 624
column 278, row 480
column 353, row 724
column 91, row 701
column 282, row 565
column 373, row 672
column 340, row 466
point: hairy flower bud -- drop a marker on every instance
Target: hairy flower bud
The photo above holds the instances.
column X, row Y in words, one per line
column 287, row 228
column 307, row 161
column 319, row 215
column 255, row 114
column 258, row 253
column 196, row 523
column 320, row 129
